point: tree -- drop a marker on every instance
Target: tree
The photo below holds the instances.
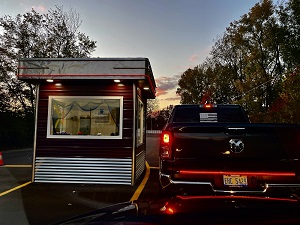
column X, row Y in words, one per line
column 289, row 15
column 34, row 35
column 157, row 119
column 195, row 85
column 245, row 65
column 259, row 31
column 207, row 82
column 286, row 107
column 152, row 105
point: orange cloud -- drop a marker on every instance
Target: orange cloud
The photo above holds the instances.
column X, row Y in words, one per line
column 40, row 8
column 165, row 84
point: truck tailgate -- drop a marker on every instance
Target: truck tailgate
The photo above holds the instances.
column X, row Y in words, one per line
column 250, row 147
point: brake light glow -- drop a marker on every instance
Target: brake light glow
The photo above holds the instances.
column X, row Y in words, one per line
column 190, row 172
column 170, row 211
column 208, row 106
column 165, row 145
column 166, row 138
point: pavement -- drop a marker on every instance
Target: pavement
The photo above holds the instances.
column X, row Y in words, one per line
column 48, row 203
column 26, row 203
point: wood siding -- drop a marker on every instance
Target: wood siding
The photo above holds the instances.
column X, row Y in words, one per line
column 102, row 148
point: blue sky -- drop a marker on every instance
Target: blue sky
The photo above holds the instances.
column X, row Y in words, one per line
column 174, row 34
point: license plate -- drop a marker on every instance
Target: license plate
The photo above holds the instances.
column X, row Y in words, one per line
column 235, row 180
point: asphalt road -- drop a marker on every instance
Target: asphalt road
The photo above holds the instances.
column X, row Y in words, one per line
column 39, row 203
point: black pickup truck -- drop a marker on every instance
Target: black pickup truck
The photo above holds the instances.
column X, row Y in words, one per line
column 215, row 148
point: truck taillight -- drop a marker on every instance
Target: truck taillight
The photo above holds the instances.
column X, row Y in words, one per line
column 166, row 138
column 165, row 145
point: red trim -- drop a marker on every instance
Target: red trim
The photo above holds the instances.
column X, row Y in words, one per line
column 90, row 75
column 190, row 172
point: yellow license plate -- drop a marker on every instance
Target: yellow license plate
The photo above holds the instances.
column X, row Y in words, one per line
column 235, row 180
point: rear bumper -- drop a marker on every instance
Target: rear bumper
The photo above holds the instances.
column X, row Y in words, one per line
column 167, row 183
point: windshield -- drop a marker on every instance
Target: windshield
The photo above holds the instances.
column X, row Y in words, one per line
column 138, row 112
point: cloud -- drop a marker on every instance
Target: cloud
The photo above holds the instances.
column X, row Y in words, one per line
column 27, row 7
column 40, row 8
column 165, row 84
column 173, row 99
column 194, row 58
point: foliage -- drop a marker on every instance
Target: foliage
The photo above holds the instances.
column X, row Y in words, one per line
column 157, row 119
column 286, row 107
column 152, row 105
column 249, row 64
column 34, row 35
column 16, row 130
column 289, row 17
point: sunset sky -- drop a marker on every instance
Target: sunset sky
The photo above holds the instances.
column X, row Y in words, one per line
column 174, row 34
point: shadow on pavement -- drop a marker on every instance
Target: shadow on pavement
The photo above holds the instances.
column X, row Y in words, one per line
column 50, row 203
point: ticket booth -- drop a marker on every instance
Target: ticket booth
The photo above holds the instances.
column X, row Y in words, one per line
column 90, row 118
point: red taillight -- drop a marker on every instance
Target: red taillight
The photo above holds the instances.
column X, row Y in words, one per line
column 166, row 138
column 165, row 145
column 208, row 105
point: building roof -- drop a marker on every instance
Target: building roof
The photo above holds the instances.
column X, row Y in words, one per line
column 35, row 70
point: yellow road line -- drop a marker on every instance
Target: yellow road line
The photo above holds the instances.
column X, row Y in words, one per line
column 13, row 189
column 140, row 188
column 154, row 167
column 18, row 166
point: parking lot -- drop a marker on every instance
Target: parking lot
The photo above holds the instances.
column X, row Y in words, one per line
column 23, row 202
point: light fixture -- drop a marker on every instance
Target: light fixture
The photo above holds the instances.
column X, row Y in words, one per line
column 117, row 81
column 49, row 80
column 146, row 88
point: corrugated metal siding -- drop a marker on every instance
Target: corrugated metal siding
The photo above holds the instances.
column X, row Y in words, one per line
column 83, row 170
column 140, row 164
column 74, row 158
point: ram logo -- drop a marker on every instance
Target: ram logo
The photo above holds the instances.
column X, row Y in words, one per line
column 236, row 145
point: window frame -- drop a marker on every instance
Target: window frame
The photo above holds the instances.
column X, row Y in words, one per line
column 49, row 118
column 140, row 122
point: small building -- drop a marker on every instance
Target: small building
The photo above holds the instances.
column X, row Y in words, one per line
column 90, row 118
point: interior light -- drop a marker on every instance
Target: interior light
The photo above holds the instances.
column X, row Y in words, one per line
column 146, row 88
column 117, row 81
column 49, row 80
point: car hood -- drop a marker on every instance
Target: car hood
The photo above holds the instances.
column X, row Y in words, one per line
column 197, row 209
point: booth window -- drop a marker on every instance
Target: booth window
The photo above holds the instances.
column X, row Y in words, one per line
column 88, row 117
column 140, row 123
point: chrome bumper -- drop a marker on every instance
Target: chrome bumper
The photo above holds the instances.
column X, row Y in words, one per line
column 166, row 182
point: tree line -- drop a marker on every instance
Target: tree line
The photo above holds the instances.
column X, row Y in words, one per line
column 255, row 63
column 54, row 34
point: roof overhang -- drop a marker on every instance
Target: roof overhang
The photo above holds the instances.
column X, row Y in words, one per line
column 35, row 70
